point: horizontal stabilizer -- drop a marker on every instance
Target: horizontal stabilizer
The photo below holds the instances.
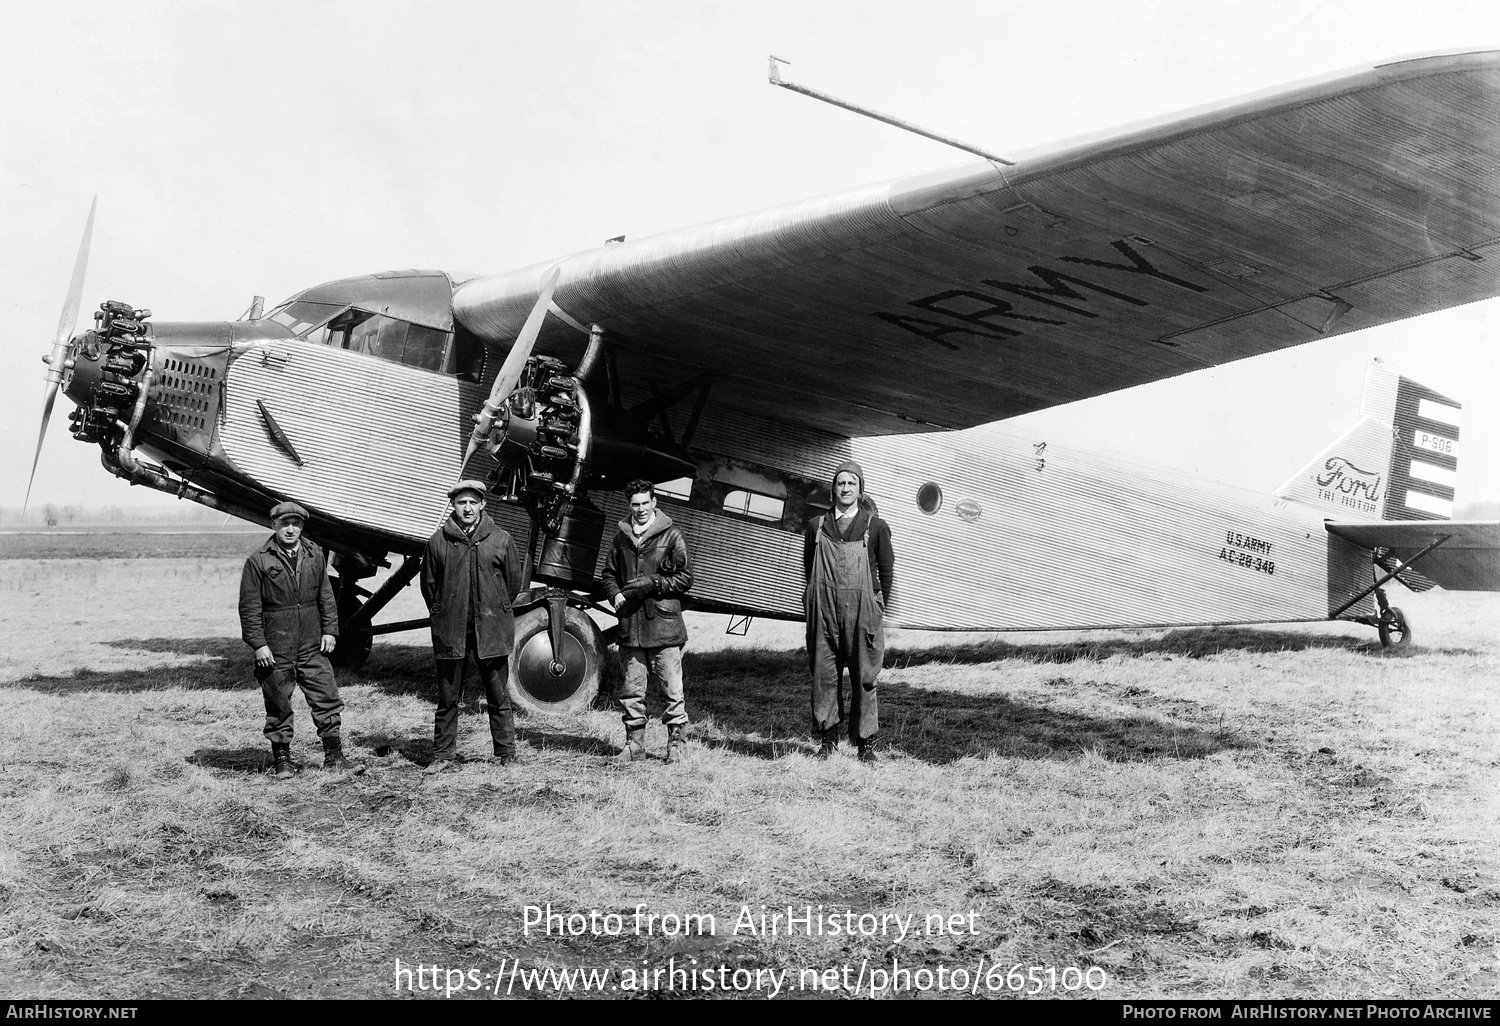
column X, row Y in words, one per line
column 1468, row 558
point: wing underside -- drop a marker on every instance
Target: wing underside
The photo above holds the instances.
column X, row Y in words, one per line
column 1457, row 555
column 974, row 294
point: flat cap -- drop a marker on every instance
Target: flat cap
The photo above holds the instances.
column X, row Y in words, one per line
column 282, row 509
column 478, row 487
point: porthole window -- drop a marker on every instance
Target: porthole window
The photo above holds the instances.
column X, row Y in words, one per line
column 930, row 498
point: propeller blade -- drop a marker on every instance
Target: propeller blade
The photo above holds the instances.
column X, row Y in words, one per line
column 59, row 352
column 41, row 437
column 515, row 363
column 515, row 360
column 69, row 318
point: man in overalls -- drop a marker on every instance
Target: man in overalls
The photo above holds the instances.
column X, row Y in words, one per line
column 288, row 616
column 848, row 560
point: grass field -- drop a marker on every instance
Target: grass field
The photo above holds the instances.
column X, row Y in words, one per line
column 1285, row 812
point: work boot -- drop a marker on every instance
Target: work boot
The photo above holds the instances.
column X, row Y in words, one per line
column 282, row 766
column 830, row 746
column 446, row 764
column 676, row 744
column 635, row 745
column 333, row 758
column 506, row 758
column 867, row 752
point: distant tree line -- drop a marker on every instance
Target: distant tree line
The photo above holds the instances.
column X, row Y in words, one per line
column 1478, row 511
column 192, row 513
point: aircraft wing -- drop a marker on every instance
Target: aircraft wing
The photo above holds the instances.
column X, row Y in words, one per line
column 983, row 291
column 1467, row 560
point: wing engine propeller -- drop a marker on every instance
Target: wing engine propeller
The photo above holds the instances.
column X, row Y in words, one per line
column 511, row 369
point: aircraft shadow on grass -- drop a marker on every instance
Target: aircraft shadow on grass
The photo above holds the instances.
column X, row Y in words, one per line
column 236, row 760
column 759, row 702
column 758, row 698
column 1188, row 642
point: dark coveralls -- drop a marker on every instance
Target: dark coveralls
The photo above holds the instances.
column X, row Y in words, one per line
column 468, row 582
column 286, row 603
column 844, row 629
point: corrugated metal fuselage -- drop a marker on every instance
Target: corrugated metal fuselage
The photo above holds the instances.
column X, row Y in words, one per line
column 992, row 530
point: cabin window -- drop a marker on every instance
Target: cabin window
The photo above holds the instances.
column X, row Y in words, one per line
column 754, row 505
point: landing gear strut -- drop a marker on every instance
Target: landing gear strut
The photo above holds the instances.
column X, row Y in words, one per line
column 357, row 606
column 353, row 646
column 543, row 439
column 539, row 426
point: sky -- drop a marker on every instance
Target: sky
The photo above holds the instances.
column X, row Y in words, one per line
column 257, row 148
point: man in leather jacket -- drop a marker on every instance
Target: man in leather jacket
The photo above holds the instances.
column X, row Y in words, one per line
column 646, row 575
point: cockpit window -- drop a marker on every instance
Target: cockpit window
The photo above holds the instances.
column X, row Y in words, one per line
column 299, row 317
column 414, row 345
column 346, row 326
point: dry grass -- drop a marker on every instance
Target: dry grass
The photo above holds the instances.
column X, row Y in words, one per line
column 1282, row 812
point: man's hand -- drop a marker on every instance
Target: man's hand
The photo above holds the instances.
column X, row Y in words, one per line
column 640, row 586
column 328, row 644
column 263, row 657
column 617, row 602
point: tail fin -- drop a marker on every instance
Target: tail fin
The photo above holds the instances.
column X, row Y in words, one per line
column 1400, row 462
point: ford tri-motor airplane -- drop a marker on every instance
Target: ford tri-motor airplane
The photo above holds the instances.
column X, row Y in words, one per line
column 740, row 362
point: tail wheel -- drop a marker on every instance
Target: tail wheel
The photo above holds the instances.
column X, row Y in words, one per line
column 565, row 685
column 1395, row 632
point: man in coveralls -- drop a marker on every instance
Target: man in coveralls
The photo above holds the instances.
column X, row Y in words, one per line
column 848, row 561
column 288, row 616
column 645, row 576
column 470, row 573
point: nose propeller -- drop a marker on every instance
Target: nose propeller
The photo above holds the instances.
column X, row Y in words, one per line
column 57, row 358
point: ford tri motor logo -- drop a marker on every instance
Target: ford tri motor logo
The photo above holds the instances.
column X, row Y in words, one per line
column 1342, row 482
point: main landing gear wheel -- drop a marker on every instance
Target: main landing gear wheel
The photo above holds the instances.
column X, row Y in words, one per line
column 1395, row 632
column 562, row 686
column 352, row 649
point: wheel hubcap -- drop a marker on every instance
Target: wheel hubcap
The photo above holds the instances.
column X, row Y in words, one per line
column 546, row 679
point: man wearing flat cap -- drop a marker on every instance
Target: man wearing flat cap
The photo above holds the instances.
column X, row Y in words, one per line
column 470, row 573
column 849, row 565
column 288, row 616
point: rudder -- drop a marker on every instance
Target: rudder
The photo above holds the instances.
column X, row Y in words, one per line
column 1400, row 462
